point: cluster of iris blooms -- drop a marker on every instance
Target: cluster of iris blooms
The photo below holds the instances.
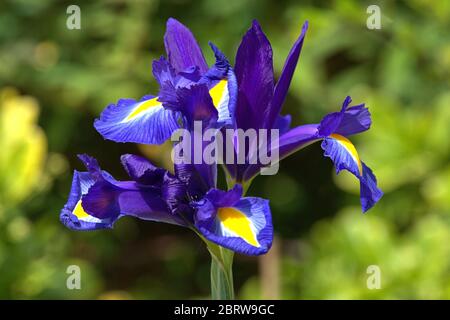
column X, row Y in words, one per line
column 221, row 97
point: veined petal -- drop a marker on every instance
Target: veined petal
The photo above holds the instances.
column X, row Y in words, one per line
column 246, row 227
column 97, row 200
column 106, row 200
column 194, row 104
column 73, row 215
column 164, row 73
column 197, row 182
column 142, row 170
column 182, row 48
column 284, row 82
column 145, row 121
column 344, row 155
column 355, row 120
column 254, row 74
column 174, row 192
column 348, row 121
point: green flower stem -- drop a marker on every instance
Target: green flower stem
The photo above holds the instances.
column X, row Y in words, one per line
column 222, row 274
column 222, row 287
column 221, row 270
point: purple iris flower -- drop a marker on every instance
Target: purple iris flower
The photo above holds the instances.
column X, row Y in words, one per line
column 148, row 121
column 220, row 98
column 97, row 201
column 259, row 104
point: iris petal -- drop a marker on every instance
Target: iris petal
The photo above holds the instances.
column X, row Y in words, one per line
column 223, row 88
column 282, row 123
column 234, row 223
column 348, row 121
column 289, row 142
column 113, row 199
column 244, row 226
column 164, row 73
column 182, row 47
column 145, row 121
column 345, row 157
column 355, row 120
column 194, row 103
column 254, row 74
column 287, row 73
column 73, row 214
column 142, row 170
column 97, row 200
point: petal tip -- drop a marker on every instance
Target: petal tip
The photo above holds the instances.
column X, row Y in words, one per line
column 173, row 22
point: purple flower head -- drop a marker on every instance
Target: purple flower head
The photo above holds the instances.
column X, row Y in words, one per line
column 97, row 201
column 220, row 98
column 259, row 105
column 153, row 119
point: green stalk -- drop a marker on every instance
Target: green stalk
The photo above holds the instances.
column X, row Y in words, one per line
column 222, row 287
column 221, row 270
column 222, row 275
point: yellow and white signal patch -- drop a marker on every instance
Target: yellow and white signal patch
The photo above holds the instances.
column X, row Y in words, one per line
column 142, row 108
column 348, row 145
column 219, row 94
column 235, row 223
column 82, row 215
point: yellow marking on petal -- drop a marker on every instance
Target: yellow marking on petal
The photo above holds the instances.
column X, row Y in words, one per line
column 217, row 91
column 79, row 211
column 237, row 222
column 142, row 107
column 348, row 145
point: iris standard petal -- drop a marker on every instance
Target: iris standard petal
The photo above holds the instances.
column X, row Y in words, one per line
column 284, row 81
column 254, row 74
column 345, row 157
column 145, row 121
column 92, row 166
column 182, row 48
column 246, row 227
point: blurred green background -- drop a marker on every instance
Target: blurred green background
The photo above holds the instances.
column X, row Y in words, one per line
column 54, row 82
